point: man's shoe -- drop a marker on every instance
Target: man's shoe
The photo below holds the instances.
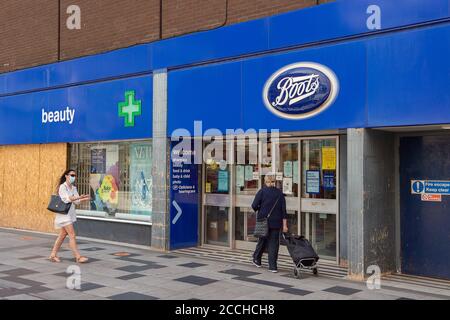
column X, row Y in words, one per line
column 274, row 271
column 258, row 265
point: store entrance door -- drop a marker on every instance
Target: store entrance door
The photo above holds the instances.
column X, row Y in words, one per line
column 319, row 206
column 307, row 173
column 216, row 212
column 425, row 221
column 249, row 178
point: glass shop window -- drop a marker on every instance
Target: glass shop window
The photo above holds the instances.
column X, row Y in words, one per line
column 118, row 177
column 319, row 168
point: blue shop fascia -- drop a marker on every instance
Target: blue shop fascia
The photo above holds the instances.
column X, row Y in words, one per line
column 354, row 96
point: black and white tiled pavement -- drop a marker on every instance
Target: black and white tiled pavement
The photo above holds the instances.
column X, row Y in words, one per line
column 118, row 272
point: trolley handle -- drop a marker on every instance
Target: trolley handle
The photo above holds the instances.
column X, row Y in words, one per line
column 284, row 235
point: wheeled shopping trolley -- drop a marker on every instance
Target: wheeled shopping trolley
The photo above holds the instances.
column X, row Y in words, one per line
column 302, row 253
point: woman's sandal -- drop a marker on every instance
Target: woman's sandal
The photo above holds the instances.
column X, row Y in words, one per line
column 81, row 259
column 54, row 259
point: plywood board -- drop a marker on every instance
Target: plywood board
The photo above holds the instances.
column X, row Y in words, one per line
column 1, row 177
column 28, row 175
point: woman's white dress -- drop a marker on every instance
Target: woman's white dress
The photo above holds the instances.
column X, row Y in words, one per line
column 62, row 220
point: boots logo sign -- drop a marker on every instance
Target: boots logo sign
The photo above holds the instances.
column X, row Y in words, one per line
column 300, row 90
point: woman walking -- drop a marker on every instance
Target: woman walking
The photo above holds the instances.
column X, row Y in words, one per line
column 270, row 201
column 69, row 194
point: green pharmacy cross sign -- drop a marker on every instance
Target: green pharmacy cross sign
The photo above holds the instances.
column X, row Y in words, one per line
column 129, row 108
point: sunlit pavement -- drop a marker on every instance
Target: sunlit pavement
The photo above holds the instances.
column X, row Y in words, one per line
column 124, row 273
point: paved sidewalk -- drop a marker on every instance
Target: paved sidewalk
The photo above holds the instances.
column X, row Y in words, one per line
column 144, row 274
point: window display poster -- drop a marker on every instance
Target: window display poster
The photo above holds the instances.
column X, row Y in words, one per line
column 313, row 181
column 104, row 186
column 287, row 185
column 295, row 171
column 240, row 176
column 328, row 181
column 98, row 160
column 328, row 158
column 287, row 168
column 222, row 185
column 248, row 173
column 141, row 178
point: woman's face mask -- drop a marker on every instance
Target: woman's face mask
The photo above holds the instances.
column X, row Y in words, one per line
column 72, row 179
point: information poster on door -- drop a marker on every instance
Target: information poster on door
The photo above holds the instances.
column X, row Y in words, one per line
column 240, row 176
column 287, row 186
column 328, row 181
column 248, row 173
column 222, row 184
column 313, row 181
column 328, row 158
column 295, row 172
column 287, row 169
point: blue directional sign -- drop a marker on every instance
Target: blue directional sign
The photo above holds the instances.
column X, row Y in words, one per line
column 184, row 198
column 430, row 187
column 437, row 187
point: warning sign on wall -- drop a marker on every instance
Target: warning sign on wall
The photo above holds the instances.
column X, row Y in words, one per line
column 430, row 187
column 431, row 197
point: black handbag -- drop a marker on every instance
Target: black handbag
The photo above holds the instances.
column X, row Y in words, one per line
column 262, row 224
column 56, row 205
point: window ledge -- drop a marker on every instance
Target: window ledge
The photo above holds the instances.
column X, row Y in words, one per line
column 118, row 220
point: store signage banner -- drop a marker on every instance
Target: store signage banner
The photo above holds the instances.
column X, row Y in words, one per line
column 351, row 17
column 300, row 90
column 275, row 91
column 111, row 110
column 184, row 199
column 334, row 20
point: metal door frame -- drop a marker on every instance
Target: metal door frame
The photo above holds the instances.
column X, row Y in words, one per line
column 337, row 206
column 230, row 202
column 230, row 145
column 239, row 244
